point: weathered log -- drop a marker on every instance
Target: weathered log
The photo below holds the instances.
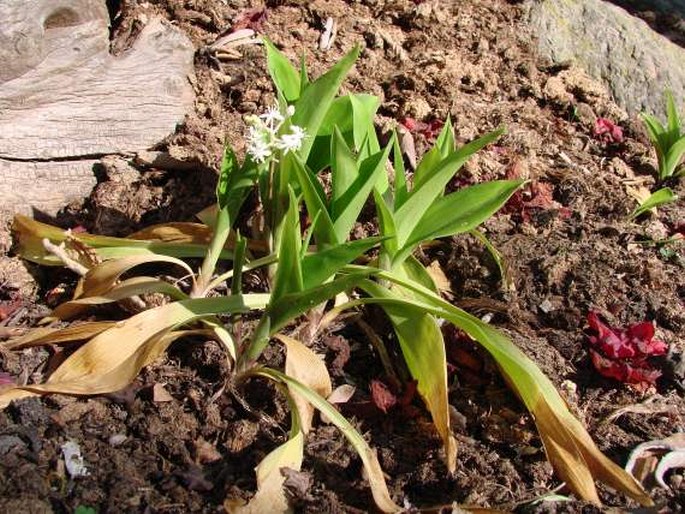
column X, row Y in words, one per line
column 66, row 101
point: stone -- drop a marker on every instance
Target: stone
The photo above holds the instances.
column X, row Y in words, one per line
column 635, row 63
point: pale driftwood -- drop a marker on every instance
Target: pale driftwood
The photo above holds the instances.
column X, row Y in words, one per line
column 65, row 101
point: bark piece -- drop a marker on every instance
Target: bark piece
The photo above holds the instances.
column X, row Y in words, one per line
column 64, row 98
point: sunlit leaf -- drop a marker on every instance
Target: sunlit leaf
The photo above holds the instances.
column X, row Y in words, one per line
column 319, row 266
column 457, row 213
column 313, row 104
column 346, row 207
column 284, row 75
column 410, row 213
column 288, row 277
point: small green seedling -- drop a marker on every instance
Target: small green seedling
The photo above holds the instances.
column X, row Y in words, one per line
column 661, row 197
column 668, row 140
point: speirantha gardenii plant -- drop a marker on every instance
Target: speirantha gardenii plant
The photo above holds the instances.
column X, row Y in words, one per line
column 311, row 276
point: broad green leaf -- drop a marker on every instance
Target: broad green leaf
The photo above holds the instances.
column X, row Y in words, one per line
column 458, row 212
column 413, row 270
column 569, row 447
column 288, row 277
column 315, row 201
column 364, row 109
column 290, row 306
column 319, row 266
column 304, row 77
column 343, row 165
column 662, row 196
column 346, row 208
column 284, row 75
column 312, row 106
column 673, row 120
column 423, row 349
column 427, row 166
column 408, row 215
column 229, row 165
column 374, row 473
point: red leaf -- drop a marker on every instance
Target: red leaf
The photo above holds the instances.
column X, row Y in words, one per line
column 381, row 396
column 430, row 130
column 637, row 341
column 607, row 131
column 623, row 371
column 250, row 19
column 622, row 354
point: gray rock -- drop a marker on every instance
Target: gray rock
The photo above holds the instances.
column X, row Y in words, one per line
column 635, row 63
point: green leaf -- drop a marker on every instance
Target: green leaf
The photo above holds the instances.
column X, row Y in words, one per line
column 673, row 120
column 288, row 307
column 343, row 165
column 662, row 196
column 304, row 78
column 229, row 164
column 312, row 106
column 364, row 108
column 445, row 141
column 673, row 157
column 408, row 215
column 372, row 467
column 346, row 208
column 458, row 212
column 284, row 75
column 288, row 277
column 400, row 182
column 386, row 225
column 423, row 349
column 320, row 266
column 314, row 199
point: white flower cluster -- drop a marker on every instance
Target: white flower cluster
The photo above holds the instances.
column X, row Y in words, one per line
column 263, row 138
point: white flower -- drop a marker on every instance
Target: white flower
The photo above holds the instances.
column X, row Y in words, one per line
column 263, row 139
column 291, row 142
column 272, row 118
column 259, row 143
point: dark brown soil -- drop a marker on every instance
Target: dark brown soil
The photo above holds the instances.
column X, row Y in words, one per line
column 567, row 253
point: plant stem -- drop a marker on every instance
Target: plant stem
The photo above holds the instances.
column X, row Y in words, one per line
column 222, row 228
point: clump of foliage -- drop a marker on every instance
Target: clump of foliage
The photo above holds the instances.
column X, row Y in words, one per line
column 312, row 132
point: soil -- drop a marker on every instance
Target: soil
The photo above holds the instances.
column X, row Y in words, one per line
column 178, row 440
